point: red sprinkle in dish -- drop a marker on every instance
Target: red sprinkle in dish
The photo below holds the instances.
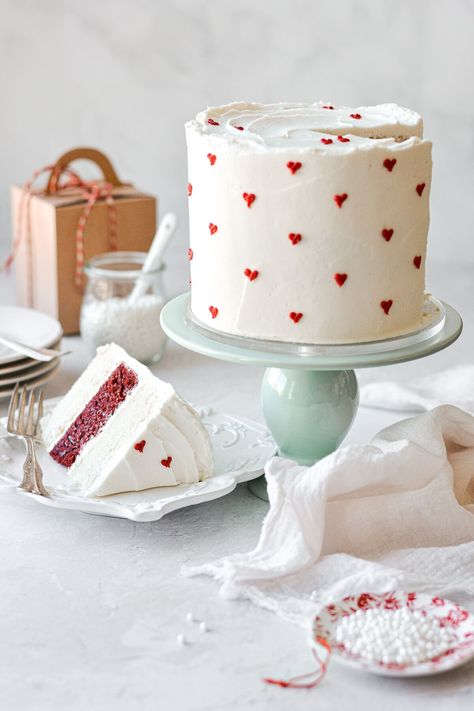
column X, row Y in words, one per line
column 213, row 311
column 417, row 261
column 420, row 188
column 340, row 199
column 356, row 116
column 140, row 446
column 213, row 228
column 190, row 189
column 387, row 234
column 328, row 106
column 94, row 415
column 326, row 141
column 296, row 316
column 294, row 237
column 251, row 274
column 239, row 128
column 342, row 139
column 340, row 279
column 249, row 198
column 212, row 158
column 293, row 166
column 190, row 254
column 167, row 462
column 389, row 164
column 386, row 306
column 212, row 122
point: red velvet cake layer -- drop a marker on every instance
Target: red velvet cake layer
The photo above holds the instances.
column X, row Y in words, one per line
column 94, row 415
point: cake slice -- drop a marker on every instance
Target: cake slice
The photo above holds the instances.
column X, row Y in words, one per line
column 119, row 428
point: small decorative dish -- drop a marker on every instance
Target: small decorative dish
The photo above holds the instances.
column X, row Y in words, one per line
column 241, row 449
column 430, row 623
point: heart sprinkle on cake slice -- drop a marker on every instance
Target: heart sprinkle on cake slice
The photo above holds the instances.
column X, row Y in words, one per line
column 340, row 199
column 249, row 198
column 251, row 274
column 340, row 279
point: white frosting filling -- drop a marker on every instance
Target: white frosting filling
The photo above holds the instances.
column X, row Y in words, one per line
column 152, row 411
column 225, row 163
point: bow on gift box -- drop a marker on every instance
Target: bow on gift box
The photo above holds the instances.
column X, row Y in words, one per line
column 64, row 182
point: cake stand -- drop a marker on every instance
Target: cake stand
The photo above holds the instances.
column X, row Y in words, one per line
column 309, row 393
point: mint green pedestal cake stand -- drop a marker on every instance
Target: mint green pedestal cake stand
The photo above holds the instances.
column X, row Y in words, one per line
column 309, row 393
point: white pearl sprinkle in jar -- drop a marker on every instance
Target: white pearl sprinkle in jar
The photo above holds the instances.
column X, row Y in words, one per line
column 393, row 637
column 109, row 315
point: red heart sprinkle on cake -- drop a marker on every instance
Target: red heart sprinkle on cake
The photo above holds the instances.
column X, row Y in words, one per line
column 251, row 274
column 387, row 234
column 214, row 311
column 339, row 199
column 386, row 305
column 213, row 228
column 356, row 116
column 293, row 166
column 190, row 254
column 190, row 189
column 417, row 261
column 212, row 158
column 328, row 106
column 340, row 279
column 239, row 128
column 420, row 188
column 249, row 198
column 326, row 141
column 212, row 122
column 294, row 237
column 295, row 316
column 140, row 446
column 167, row 462
column 389, row 164
column 342, row 139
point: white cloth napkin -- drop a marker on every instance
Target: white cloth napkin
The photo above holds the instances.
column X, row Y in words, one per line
column 397, row 513
column 455, row 386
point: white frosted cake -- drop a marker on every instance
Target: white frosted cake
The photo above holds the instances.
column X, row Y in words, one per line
column 308, row 222
column 119, row 428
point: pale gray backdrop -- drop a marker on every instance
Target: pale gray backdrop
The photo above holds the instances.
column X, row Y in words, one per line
column 125, row 75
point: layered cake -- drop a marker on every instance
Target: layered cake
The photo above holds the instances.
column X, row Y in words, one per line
column 308, row 222
column 119, row 428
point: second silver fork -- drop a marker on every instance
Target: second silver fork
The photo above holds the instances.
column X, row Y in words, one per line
column 26, row 426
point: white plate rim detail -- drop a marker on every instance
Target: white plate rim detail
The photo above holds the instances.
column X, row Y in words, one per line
column 26, row 320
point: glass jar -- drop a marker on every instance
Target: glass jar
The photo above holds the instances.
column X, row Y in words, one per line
column 122, row 306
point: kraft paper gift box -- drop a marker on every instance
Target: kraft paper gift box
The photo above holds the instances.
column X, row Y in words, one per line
column 48, row 226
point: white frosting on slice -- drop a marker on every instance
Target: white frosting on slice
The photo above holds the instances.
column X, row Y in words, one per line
column 307, row 224
column 153, row 439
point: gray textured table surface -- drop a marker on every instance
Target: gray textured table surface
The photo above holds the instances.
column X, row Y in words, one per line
column 90, row 607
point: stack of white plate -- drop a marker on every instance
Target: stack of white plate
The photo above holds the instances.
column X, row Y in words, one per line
column 34, row 329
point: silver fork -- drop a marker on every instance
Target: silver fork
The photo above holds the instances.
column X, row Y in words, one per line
column 26, row 427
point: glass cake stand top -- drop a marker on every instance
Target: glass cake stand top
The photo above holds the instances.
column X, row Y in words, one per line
column 432, row 321
column 441, row 326
column 310, row 393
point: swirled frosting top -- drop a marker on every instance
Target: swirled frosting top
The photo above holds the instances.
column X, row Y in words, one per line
column 299, row 125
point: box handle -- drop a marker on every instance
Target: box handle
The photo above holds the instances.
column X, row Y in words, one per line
column 92, row 154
